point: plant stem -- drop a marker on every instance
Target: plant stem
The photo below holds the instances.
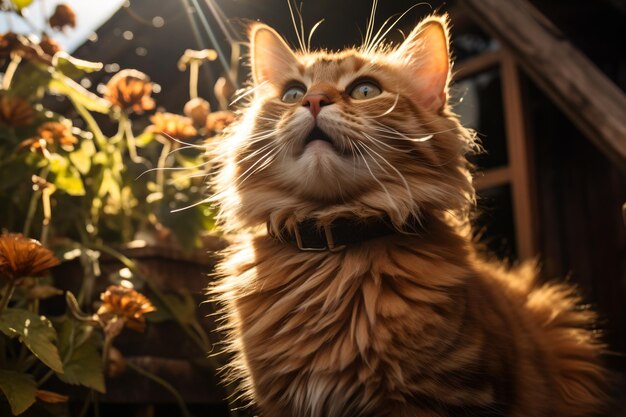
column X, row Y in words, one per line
column 160, row 173
column 91, row 122
column 32, row 205
column 130, row 140
column 8, row 293
column 179, row 399
column 30, row 214
column 47, row 214
column 88, row 399
column 10, row 72
column 106, row 347
column 193, row 79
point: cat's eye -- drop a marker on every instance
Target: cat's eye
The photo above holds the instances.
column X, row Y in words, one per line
column 293, row 94
column 365, row 90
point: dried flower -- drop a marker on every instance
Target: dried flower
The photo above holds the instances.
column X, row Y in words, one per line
column 172, row 125
column 49, row 46
column 198, row 110
column 124, row 304
column 8, row 42
column 23, row 257
column 15, row 111
column 130, row 89
column 63, row 16
column 217, row 121
column 12, row 43
column 50, row 133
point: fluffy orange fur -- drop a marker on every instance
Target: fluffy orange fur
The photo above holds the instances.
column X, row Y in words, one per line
column 412, row 324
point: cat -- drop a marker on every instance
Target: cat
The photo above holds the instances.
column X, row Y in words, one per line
column 355, row 288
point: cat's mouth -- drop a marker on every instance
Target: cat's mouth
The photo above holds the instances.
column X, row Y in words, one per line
column 318, row 134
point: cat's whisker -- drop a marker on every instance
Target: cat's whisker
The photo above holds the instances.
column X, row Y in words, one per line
column 180, row 179
column 266, row 163
column 173, row 139
column 380, row 144
column 256, row 152
column 247, row 92
column 384, row 188
column 251, row 167
column 400, row 135
column 400, row 175
column 389, row 110
column 182, row 148
column 404, row 137
column 380, row 37
column 295, row 26
column 196, row 204
column 370, row 24
column 312, row 32
column 265, row 160
column 202, row 165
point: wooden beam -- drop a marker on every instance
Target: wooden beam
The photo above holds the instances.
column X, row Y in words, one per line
column 588, row 97
column 520, row 159
column 492, row 178
column 471, row 66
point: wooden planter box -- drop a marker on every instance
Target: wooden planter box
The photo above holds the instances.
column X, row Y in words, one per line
column 164, row 348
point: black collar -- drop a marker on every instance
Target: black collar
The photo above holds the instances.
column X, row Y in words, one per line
column 308, row 235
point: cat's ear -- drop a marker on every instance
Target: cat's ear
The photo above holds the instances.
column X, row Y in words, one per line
column 426, row 51
column 271, row 57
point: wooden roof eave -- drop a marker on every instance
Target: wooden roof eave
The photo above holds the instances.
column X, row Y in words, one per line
column 586, row 95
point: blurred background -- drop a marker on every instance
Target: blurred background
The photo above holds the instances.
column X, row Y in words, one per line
column 541, row 81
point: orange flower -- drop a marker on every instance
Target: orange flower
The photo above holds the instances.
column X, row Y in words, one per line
column 130, row 89
column 23, row 257
column 217, row 121
column 50, row 133
column 55, row 132
column 49, row 46
column 63, row 16
column 124, row 304
column 172, row 126
column 15, row 111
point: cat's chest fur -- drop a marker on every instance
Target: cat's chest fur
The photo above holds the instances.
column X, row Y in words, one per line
column 351, row 330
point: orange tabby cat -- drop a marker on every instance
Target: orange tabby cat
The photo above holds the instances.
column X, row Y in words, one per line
column 357, row 155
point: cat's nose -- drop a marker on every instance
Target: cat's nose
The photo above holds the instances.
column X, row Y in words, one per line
column 315, row 102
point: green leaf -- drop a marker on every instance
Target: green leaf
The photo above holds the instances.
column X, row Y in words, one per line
column 36, row 332
column 100, row 158
column 70, row 181
column 60, row 84
column 29, row 80
column 20, row 4
column 74, row 67
column 83, row 366
column 81, row 157
column 181, row 306
column 19, row 389
column 58, row 163
column 144, row 139
column 109, row 186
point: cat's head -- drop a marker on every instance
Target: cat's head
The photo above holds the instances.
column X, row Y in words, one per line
column 362, row 132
